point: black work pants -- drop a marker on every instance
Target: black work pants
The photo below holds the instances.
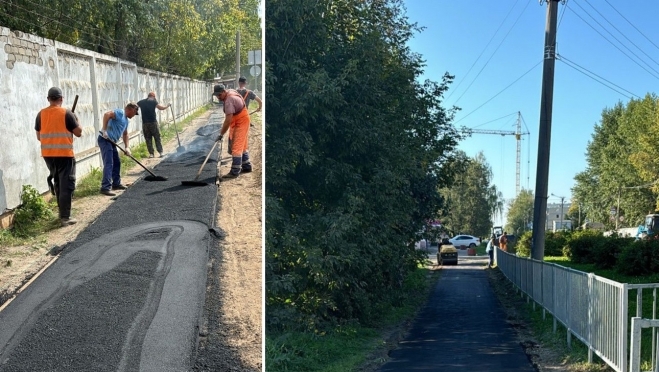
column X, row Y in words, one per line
column 63, row 174
column 150, row 131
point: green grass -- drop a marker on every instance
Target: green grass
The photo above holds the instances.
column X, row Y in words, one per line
column 347, row 347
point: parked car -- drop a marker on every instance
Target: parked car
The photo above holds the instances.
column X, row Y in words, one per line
column 465, row 240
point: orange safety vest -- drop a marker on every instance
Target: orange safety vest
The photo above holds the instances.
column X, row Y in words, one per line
column 56, row 140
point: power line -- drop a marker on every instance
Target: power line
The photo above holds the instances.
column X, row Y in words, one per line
column 484, row 49
column 501, row 91
column 493, row 53
column 639, row 31
column 580, row 68
column 487, row 122
column 621, row 33
column 621, row 51
column 561, row 17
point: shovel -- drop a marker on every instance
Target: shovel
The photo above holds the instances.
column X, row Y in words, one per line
column 199, row 183
column 179, row 148
column 152, row 177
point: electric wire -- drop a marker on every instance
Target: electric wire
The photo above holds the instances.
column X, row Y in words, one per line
column 493, row 53
column 483, row 51
column 579, row 68
column 621, row 33
column 636, row 28
column 622, row 51
column 491, row 121
column 561, row 17
column 501, row 91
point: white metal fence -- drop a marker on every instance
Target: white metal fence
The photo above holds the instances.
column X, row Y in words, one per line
column 592, row 308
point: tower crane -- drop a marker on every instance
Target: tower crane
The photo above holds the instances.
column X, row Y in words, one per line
column 518, row 136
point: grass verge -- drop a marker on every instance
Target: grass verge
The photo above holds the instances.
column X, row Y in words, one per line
column 349, row 347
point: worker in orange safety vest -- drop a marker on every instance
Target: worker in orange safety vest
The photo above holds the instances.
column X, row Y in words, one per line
column 56, row 126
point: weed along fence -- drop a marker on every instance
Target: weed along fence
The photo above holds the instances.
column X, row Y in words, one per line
column 29, row 65
column 593, row 309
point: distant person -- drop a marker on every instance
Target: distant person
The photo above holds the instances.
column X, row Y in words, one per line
column 503, row 242
column 115, row 125
column 55, row 127
column 248, row 95
column 236, row 122
column 490, row 250
column 150, row 126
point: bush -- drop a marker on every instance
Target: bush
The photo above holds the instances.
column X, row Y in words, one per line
column 580, row 247
column 555, row 241
column 33, row 209
column 639, row 258
column 523, row 246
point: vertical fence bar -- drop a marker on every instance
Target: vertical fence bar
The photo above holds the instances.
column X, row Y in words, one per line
column 622, row 321
column 654, row 330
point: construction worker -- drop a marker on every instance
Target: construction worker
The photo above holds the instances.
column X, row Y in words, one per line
column 55, row 128
column 115, row 125
column 247, row 94
column 150, row 123
column 503, row 242
column 236, row 122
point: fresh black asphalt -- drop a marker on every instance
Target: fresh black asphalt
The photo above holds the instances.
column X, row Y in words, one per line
column 461, row 328
column 128, row 293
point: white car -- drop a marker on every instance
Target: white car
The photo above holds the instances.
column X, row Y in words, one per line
column 465, row 240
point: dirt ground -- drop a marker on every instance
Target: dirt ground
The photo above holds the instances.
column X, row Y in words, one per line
column 236, row 271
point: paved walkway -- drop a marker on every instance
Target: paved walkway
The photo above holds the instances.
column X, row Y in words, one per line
column 461, row 328
column 128, row 293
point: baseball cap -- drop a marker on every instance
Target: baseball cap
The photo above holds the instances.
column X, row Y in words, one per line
column 134, row 105
column 54, row 92
column 218, row 89
column 242, row 79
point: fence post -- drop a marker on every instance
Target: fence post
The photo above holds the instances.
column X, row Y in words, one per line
column 624, row 303
column 654, row 331
column 591, row 309
column 635, row 354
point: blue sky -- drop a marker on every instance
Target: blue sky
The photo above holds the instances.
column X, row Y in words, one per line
column 457, row 32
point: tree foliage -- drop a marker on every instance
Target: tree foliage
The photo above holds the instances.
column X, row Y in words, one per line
column 356, row 150
column 472, row 201
column 194, row 38
column 520, row 212
column 622, row 163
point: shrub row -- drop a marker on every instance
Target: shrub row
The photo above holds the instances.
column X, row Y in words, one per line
column 625, row 255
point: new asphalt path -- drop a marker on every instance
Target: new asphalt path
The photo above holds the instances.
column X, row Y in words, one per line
column 461, row 328
column 128, row 293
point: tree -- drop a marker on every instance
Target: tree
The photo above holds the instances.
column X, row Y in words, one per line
column 471, row 200
column 520, row 212
column 620, row 158
column 189, row 38
column 356, row 150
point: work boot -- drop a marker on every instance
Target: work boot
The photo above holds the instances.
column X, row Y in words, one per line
column 119, row 187
column 162, row 155
column 229, row 176
column 246, row 164
column 150, row 155
column 108, row 193
column 68, row 221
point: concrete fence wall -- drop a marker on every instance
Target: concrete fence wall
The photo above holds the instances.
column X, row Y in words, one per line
column 30, row 65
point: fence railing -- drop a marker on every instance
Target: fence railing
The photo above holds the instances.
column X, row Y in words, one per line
column 592, row 308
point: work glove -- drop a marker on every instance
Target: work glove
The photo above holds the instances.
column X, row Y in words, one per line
column 219, row 138
column 104, row 133
column 128, row 151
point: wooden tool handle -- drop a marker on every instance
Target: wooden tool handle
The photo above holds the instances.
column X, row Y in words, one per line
column 75, row 103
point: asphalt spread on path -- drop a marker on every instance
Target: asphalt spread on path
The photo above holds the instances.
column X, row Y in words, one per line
column 127, row 294
column 461, row 328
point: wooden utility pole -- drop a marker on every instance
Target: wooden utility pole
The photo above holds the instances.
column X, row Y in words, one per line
column 544, row 133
